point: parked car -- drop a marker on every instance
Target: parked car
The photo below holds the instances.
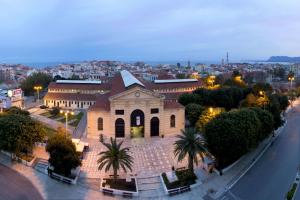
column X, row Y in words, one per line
column 43, row 107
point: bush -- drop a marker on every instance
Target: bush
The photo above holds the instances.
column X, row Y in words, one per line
column 54, row 111
column 185, row 178
column 290, row 194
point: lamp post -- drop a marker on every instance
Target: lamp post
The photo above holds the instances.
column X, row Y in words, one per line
column 67, row 113
column 38, row 88
column 262, row 94
column 291, row 78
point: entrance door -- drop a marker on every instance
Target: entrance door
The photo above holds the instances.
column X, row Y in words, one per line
column 120, row 128
column 137, row 122
column 154, row 127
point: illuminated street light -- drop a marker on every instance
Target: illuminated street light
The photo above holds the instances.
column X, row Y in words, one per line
column 210, row 109
column 38, row 88
column 66, row 113
column 291, row 78
column 211, row 80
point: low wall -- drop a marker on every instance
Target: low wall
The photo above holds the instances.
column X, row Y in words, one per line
column 120, row 192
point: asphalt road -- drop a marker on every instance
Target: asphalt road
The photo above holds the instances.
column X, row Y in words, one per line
column 272, row 176
column 14, row 186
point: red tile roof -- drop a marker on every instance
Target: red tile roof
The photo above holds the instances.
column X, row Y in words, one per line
column 102, row 86
column 172, row 105
column 70, row 96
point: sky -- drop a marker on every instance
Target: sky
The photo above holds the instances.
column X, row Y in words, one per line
column 147, row 30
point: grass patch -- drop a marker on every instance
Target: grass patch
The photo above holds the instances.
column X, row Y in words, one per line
column 121, row 184
column 290, row 194
column 185, row 178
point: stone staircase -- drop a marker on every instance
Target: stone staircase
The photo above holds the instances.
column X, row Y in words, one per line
column 150, row 187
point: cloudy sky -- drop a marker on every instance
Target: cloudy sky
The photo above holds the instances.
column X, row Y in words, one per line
column 149, row 30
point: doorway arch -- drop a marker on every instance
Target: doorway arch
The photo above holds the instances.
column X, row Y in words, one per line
column 137, row 123
column 120, row 128
column 154, row 126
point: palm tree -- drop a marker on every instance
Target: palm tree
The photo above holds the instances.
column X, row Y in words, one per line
column 189, row 144
column 115, row 157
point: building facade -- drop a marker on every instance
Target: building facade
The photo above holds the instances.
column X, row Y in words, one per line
column 125, row 106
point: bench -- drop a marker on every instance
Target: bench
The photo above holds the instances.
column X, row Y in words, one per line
column 127, row 195
column 173, row 192
column 108, row 192
column 185, row 189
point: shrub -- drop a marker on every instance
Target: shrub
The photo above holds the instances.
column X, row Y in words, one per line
column 54, row 111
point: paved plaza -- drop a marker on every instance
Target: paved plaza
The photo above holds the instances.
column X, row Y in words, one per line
column 151, row 157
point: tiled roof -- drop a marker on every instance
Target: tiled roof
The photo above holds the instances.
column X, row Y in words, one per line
column 102, row 103
column 103, row 86
column 172, row 104
column 153, row 86
column 70, row 96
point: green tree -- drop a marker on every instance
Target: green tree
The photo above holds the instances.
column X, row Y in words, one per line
column 206, row 117
column 63, row 155
column 230, row 135
column 189, row 144
column 115, row 157
column 193, row 112
column 19, row 133
column 266, row 120
column 35, row 79
column 262, row 87
column 17, row 111
column 186, row 99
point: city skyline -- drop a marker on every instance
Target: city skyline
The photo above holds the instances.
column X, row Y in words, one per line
column 53, row 31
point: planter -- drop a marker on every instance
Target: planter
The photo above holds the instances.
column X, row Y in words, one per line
column 63, row 178
column 176, row 190
column 113, row 191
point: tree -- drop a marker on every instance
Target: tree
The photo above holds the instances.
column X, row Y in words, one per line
column 189, row 144
column 266, row 120
column 115, row 157
column 193, row 112
column 186, row 99
column 63, row 155
column 262, row 87
column 230, row 135
column 206, row 117
column 17, row 111
column 19, row 133
column 39, row 78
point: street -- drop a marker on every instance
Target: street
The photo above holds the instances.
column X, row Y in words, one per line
column 272, row 176
column 15, row 186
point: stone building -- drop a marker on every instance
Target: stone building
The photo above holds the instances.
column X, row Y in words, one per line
column 125, row 106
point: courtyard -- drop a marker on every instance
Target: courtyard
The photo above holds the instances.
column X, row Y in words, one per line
column 152, row 156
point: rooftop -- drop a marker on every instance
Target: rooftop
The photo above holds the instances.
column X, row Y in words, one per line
column 175, row 80
column 129, row 79
column 79, row 81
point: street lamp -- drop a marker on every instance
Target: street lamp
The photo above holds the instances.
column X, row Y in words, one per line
column 66, row 113
column 291, row 78
column 262, row 95
column 211, row 80
column 38, row 88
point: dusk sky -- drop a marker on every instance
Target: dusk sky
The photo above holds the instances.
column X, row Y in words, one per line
column 152, row 30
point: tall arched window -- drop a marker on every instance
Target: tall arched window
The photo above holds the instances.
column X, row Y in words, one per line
column 172, row 121
column 100, row 124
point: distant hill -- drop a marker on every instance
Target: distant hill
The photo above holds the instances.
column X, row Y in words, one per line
column 283, row 59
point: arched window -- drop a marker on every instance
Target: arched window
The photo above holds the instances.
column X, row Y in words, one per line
column 100, row 124
column 172, row 121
